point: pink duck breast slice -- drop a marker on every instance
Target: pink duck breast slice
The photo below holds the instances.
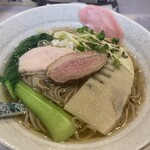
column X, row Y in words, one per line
column 99, row 18
column 74, row 66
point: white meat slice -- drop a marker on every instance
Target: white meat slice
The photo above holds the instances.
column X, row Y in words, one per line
column 37, row 59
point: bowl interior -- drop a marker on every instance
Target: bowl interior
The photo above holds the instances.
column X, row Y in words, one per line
column 137, row 40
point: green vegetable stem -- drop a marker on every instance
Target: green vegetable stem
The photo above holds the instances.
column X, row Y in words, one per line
column 54, row 118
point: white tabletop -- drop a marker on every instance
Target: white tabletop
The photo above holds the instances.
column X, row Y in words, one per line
column 137, row 10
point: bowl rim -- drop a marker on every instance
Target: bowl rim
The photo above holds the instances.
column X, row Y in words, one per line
column 73, row 4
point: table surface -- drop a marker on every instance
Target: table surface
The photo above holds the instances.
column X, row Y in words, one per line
column 137, row 10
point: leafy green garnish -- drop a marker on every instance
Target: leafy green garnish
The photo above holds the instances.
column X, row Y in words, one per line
column 101, row 35
column 84, row 29
column 105, row 48
column 80, row 47
column 115, row 41
column 85, row 39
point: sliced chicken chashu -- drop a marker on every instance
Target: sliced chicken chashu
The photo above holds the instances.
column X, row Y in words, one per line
column 37, row 59
column 101, row 100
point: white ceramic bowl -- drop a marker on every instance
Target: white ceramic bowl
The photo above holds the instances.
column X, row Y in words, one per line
column 137, row 39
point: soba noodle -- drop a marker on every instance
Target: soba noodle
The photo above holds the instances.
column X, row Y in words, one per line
column 60, row 94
